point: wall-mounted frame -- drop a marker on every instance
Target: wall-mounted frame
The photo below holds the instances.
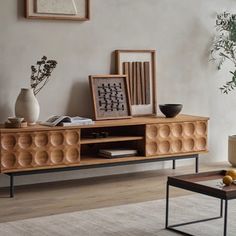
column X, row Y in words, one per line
column 140, row 68
column 110, row 95
column 78, row 10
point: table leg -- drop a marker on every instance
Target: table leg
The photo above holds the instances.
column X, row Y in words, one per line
column 221, row 207
column 173, row 227
column 225, row 217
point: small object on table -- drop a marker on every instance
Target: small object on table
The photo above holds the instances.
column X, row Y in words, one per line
column 95, row 135
column 170, row 110
column 104, row 134
column 15, row 122
column 116, row 153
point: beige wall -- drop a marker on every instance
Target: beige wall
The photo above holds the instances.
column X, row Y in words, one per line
column 180, row 30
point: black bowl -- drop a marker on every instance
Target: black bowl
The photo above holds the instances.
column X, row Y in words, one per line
column 170, row 110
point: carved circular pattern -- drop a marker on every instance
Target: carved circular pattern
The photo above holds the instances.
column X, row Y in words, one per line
column 189, row 129
column 57, row 139
column 152, row 131
column 72, row 155
column 41, row 140
column 152, row 148
column 72, row 137
column 57, row 156
column 8, row 160
column 164, row 131
column 164, row 147
column 201, row 143
column 177, row 130
column 176, row 145
column 25, row 141
column 41, row 158
column 201, row 128
column 25, row 159
column 8, row 142
column 188, row 145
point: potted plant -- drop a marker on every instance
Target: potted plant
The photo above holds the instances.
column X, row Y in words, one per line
column 224, row 47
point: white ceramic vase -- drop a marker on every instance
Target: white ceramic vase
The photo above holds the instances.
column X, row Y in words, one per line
column 27, row 106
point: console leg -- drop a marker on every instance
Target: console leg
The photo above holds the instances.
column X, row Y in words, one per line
column 167, row 205
column 173, row 165
column 196, row 165
column 11, row 185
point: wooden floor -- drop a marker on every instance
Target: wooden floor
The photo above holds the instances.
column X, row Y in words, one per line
column 75, row 195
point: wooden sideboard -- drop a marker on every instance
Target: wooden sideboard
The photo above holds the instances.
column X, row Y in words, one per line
column 38, row 149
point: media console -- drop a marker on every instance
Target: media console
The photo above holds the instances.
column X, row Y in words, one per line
column 41, row 149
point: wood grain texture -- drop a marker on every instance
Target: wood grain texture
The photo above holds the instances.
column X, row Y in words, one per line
column 33, row 150
column 147, row 82
column 54, row 147
column 110, row 139
column 143, row 84
column 177, row 138
column 130, row 80
column 134, row 83
column 53, row 198
column 139, row 89
column 105, row 123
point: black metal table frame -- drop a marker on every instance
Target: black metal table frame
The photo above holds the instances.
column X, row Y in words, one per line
column 173, row 227
column 70, row 168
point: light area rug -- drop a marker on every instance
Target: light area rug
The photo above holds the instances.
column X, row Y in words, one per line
column 141, row 219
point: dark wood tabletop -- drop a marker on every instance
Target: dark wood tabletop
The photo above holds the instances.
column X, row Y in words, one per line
column 208, row 183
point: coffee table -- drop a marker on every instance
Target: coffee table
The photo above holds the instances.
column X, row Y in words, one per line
column 206, row 183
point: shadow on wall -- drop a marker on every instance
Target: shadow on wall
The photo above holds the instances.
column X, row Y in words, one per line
column 80, row 102
column 20, row 8
column 6, row 111
column 113, row 63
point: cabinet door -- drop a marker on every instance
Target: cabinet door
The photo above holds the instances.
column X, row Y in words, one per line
column 176, row 138
column 40, row 149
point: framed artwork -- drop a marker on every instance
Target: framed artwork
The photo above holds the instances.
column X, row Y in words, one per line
column 140, row 68
column 110, row 95
column 58, row 9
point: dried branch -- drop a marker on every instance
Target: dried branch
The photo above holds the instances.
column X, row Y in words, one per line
column 40, row 74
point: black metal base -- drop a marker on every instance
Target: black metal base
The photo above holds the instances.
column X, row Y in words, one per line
column 174, row 158
column 173, row 227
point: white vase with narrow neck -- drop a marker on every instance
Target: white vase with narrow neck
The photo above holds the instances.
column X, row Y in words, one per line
column 27, row 106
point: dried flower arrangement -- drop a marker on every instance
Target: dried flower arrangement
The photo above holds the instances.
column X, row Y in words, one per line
column 41, row 75
column 224, row 46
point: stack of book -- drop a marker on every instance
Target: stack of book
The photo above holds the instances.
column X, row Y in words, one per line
column 113, row 153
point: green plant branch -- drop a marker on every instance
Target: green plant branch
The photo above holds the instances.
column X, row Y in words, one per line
column 224, row 46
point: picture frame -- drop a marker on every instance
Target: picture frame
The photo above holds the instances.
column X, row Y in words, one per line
column 76, row 10
column 140, row 68
column 110, row 96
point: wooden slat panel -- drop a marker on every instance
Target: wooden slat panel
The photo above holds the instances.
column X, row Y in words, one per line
column 147, row 82
column 143, row 85
column 134, row 83
column 130, row 76
column 138, row 85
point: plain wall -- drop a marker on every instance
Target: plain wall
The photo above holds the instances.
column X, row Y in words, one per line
column 181, row 31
